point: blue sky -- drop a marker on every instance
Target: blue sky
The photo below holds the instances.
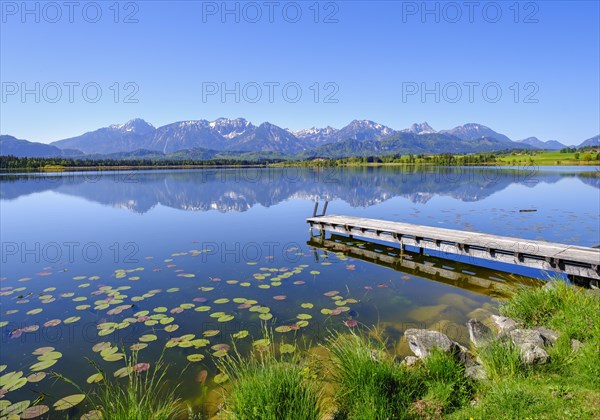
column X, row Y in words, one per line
column 533, row 70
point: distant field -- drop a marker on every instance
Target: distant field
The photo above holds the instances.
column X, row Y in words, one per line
column 552, row 158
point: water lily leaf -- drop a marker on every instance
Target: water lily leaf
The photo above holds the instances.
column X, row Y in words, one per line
column 326, row 311
column 173, row 290
column 141, row 313
column 16, row 408
column 200, row 342
column 160, row 309
column 263, row 342
column 34, row 311
column 221, row 378
column 307, row 305
column 202, row 309
column 68, row 402
column 264, row 286
column 221, row 301
column 220, row 353
column 92, row 415
column 82, row 307
column 239, row 300
column 287, row 348
column 42, row 350
column 167, row 320
column 171, row 328
column 3, row 324
column 187, row 305
column 52, row 323
column 35, row 411
column 225, row 318
column 148, row 337
column 96, row 377
column 123, row 372
column 36, row 367
column 72, row 319
column 240, row 334
column 245, row 284
column 2, row 368
column 109, row 350
column 114, row 357
column 302, row 323
column 210, row 333
column 195, row 357
column 315, row 272
column 100, row 346
column 15, row 384
column 283, row 329
column 79, row 299
column 36, row 377
column 106, row 331
column 265, row 317
column 280, row 297
column 51, row 355
column 138, row 346
column 304, row 316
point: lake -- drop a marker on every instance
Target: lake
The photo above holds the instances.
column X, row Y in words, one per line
column 94, row 263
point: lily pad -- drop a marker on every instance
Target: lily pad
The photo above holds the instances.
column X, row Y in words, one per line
column 36, row 367
column 240, row 334
column 68, row 402
column 42, row 350
column 287, row 348
column 221, row 378
column 35, row 411
column 195, row 357
column 148, row 337
column 36, row 377
column 96, row 377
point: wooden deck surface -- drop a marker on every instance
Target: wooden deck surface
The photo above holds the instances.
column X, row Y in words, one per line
column 570, row 259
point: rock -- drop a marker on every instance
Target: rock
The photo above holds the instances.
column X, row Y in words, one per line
column 532, row 354
column 480, row 314
column 479, row 333
column 576, row 344
column 422, row 342
column 504, row 324
column 549, row 336
column 410, row 361
column 475, row 372
column 526, row 336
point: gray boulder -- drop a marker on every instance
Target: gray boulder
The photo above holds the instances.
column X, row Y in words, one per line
column 410, row 361
column 532, row 354
column 549, row 336
column 526, row 336
column 504, row 324
column 422, row 342
column 475, row 372
column 479, row 333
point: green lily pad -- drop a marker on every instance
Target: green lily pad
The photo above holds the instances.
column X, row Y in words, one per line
column 307, row 305
column 195, row 357
column 36, row 367
column 36, row 377
column 220, row 378
column 35, row 411
column 16, row 408
column 72, row 319
column 304, row 316
column 287, row 348
column 221, row 301
column 68, row 402
column 240, row 334
column 148, row 337
column 34, row 311
column 42, row 350
column 96, row 377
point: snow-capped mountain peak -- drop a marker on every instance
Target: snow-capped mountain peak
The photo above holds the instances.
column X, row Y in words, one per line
column 422, row 128
column 136, row 125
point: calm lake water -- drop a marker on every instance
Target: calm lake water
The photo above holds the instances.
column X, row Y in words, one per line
column 149, row 257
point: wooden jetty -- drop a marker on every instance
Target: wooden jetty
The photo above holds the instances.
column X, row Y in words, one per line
column 572, row 260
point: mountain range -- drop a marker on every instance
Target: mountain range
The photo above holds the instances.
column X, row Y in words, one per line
column 231, row 137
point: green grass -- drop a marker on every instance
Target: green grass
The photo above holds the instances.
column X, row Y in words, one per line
column 501, row 359
column 267, row 387
column 138, row 396
column 569, row 385
column 572, row 311
column 369, row 383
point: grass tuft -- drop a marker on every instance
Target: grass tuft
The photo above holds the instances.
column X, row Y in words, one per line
column 267, row 387
column 369, row 383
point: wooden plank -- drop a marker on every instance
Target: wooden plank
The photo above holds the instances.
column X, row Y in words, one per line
column 570, row 259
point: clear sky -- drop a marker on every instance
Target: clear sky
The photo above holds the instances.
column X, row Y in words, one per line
column 521, row 68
